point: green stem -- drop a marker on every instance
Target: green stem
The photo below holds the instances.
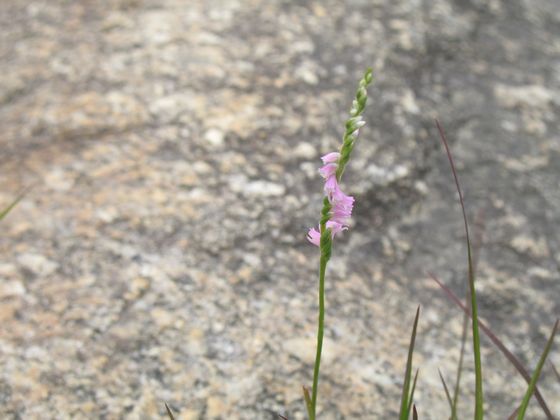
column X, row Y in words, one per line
column 325, row 246
column 479, row 410
column 320, row 333
column 460, row 366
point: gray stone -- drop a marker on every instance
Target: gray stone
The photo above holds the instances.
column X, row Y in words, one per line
column 173, row 149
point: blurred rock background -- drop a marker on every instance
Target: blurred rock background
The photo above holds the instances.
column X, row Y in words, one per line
column 173, row 146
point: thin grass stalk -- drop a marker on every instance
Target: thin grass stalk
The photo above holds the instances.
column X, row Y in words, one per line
column 514, row 414
column 536, row 375
column 169, row 412
column 4, row 212
column 556, row 373
column 403, row 415
column 411, row 398
column 307, row 399
column 498, row 343
column 455, row 400
column 479, row 397
column 479, row 224
column 447, row 394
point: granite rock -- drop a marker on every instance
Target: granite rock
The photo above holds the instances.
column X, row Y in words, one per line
column 172, row 148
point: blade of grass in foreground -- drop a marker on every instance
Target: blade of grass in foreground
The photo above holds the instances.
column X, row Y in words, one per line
column 456, row 391
column 447, row 394
column 307, row 398
column 477, row 244
column 169, row 412
column 411, row 398
column 4, row 212
column 479, row 398
column 404, row 413
column 536, row 374
column 555, row 371
column 497, row 342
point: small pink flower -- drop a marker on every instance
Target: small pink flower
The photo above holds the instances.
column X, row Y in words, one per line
column 331, row 187
column 314, row 236
column 328, row 170
column 330, row 157
column 341, row 215
column 335, row 227
column 335, row 194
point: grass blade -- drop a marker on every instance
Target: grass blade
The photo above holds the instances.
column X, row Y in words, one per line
column 403, row 415
column 477, row 244
column 479, row 398
column 4, row 212
column 555, row 371
column 447, row 394
column 169, row 412
column 411, row 398
column 456, row 391
column 414, row 413
column 536, row 374
column 512, row 415
column 498, row 343
column 307, row 398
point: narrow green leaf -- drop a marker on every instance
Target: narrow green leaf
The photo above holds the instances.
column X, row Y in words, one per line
column 4, row 212
column 307, row 398
column 514, row 414
column 457, row 389
column 169, row 412
column 408, row 372
column 555, row 371
column 536, row 374
column 498, row 343
column 411, row 398
column 479, row 398
column 447, row 394
column 477, row 244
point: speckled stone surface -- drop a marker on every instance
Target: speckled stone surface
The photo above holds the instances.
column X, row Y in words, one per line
column 173, row 147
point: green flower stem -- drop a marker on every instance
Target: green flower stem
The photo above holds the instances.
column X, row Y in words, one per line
column 320, row 332
column 325, row 245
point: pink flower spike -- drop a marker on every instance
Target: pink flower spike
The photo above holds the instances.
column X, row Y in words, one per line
column 328, row 170
column 331, row 157
column 341, row 204
column 314, row 236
